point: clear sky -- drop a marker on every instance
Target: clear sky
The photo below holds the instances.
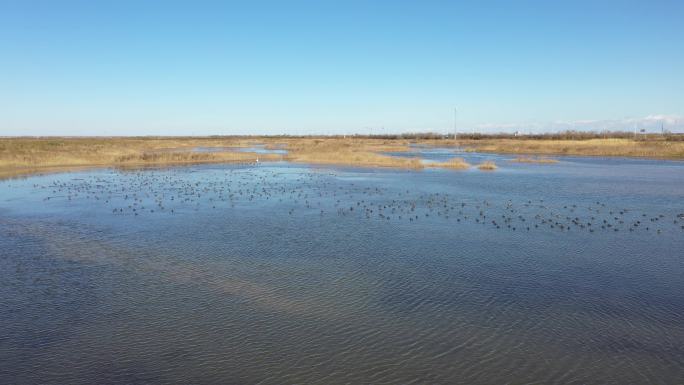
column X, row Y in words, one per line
column 271, row 67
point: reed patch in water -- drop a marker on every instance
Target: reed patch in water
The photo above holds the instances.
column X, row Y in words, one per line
column 455, row 163
column 487, row 166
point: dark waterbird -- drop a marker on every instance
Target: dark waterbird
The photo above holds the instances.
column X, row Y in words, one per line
column 155, row 192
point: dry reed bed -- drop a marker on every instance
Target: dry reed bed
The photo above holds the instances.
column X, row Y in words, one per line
column 360, row 152
column 28, row 155
column 487, row 166
column 34, row 154
column 349, row 152
column 20, row 156
column 662, row 149
column 50, row 152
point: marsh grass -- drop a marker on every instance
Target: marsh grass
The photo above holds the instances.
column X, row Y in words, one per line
column 651, row 148
column 33, row 155
column 487, row 166
column 30, row 155
column 192, row 157
column 350, row 152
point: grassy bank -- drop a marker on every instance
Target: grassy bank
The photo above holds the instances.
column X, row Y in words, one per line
column 349, row 152
column 652, row 148
column 33, row 155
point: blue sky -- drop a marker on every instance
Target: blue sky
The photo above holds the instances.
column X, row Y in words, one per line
column 301, row 67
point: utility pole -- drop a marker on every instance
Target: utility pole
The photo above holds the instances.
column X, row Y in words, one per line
column 636, row 124
column 455, row 120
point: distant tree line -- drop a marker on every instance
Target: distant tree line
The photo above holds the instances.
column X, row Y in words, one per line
column 576, row 135
column 562, row 135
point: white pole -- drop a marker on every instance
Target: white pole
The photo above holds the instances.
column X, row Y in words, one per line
column 455, row 126
column 636, row 124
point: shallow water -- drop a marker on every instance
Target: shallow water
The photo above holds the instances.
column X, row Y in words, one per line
column 282, row 273
column 443, row 154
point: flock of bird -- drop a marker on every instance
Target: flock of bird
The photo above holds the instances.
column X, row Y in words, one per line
column 325, row 193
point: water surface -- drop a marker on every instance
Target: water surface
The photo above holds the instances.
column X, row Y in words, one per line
column 287, row 274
